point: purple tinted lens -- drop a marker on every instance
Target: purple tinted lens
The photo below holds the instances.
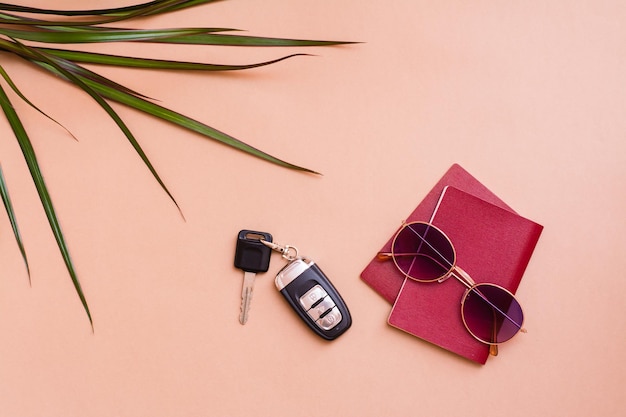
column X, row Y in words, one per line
column 423, row 252
column 492, row 314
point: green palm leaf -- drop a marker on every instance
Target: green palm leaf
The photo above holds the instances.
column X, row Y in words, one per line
column 109, row 15
column 87, row 36
column 17, row 91
column 6, row 199
column 145, row 9
column 92, row 84
column 35, row 172
column 161, row 64
column 188, row 123
column 65, row 68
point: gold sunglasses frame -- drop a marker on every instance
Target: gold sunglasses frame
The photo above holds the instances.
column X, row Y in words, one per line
column 453, row 271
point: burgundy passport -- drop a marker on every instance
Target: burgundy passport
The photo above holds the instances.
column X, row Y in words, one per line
column 493, row 244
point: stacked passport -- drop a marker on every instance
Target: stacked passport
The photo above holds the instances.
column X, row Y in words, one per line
column 493, row 244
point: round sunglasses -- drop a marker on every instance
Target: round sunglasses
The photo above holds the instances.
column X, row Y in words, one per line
column 423, row 252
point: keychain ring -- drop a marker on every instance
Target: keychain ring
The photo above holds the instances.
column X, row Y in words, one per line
column 290, row 253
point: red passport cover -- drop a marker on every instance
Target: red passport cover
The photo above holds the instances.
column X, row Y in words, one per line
column 493, row 244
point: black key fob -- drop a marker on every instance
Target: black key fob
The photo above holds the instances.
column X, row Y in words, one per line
column 314, row 298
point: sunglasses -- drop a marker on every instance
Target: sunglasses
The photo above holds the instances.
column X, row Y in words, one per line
column 423, row 252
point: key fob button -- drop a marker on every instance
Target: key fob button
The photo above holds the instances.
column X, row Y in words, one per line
column 321, row 308
column 330, row 320
column 312, row 296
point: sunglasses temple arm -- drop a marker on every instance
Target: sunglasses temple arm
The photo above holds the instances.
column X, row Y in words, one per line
column 493, row 348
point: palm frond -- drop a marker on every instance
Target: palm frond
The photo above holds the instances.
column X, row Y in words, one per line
column 8, row 206
column 147, row 63
column 35, row 172
column 21, row 26
column 143, row 9
column 99, row 36
column 66, row 69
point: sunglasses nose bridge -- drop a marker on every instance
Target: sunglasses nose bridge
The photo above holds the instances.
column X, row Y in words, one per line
column 462, row 277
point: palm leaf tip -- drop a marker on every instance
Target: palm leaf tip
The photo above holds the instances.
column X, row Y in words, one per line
column 6, row 199
column 42, row 190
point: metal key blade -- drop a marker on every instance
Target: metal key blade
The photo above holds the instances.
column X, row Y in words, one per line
column 246, row 295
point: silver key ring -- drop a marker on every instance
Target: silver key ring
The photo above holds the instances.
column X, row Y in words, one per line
column 288, row 252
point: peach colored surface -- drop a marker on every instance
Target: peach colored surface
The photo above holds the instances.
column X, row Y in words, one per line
column 529, row 97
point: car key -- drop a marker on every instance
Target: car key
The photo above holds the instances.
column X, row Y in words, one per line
column 311, row 294
column 252, row 257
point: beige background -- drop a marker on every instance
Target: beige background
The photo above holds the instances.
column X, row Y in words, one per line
column 527, row 96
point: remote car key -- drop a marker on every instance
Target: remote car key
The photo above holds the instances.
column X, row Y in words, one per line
column 314, row 298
